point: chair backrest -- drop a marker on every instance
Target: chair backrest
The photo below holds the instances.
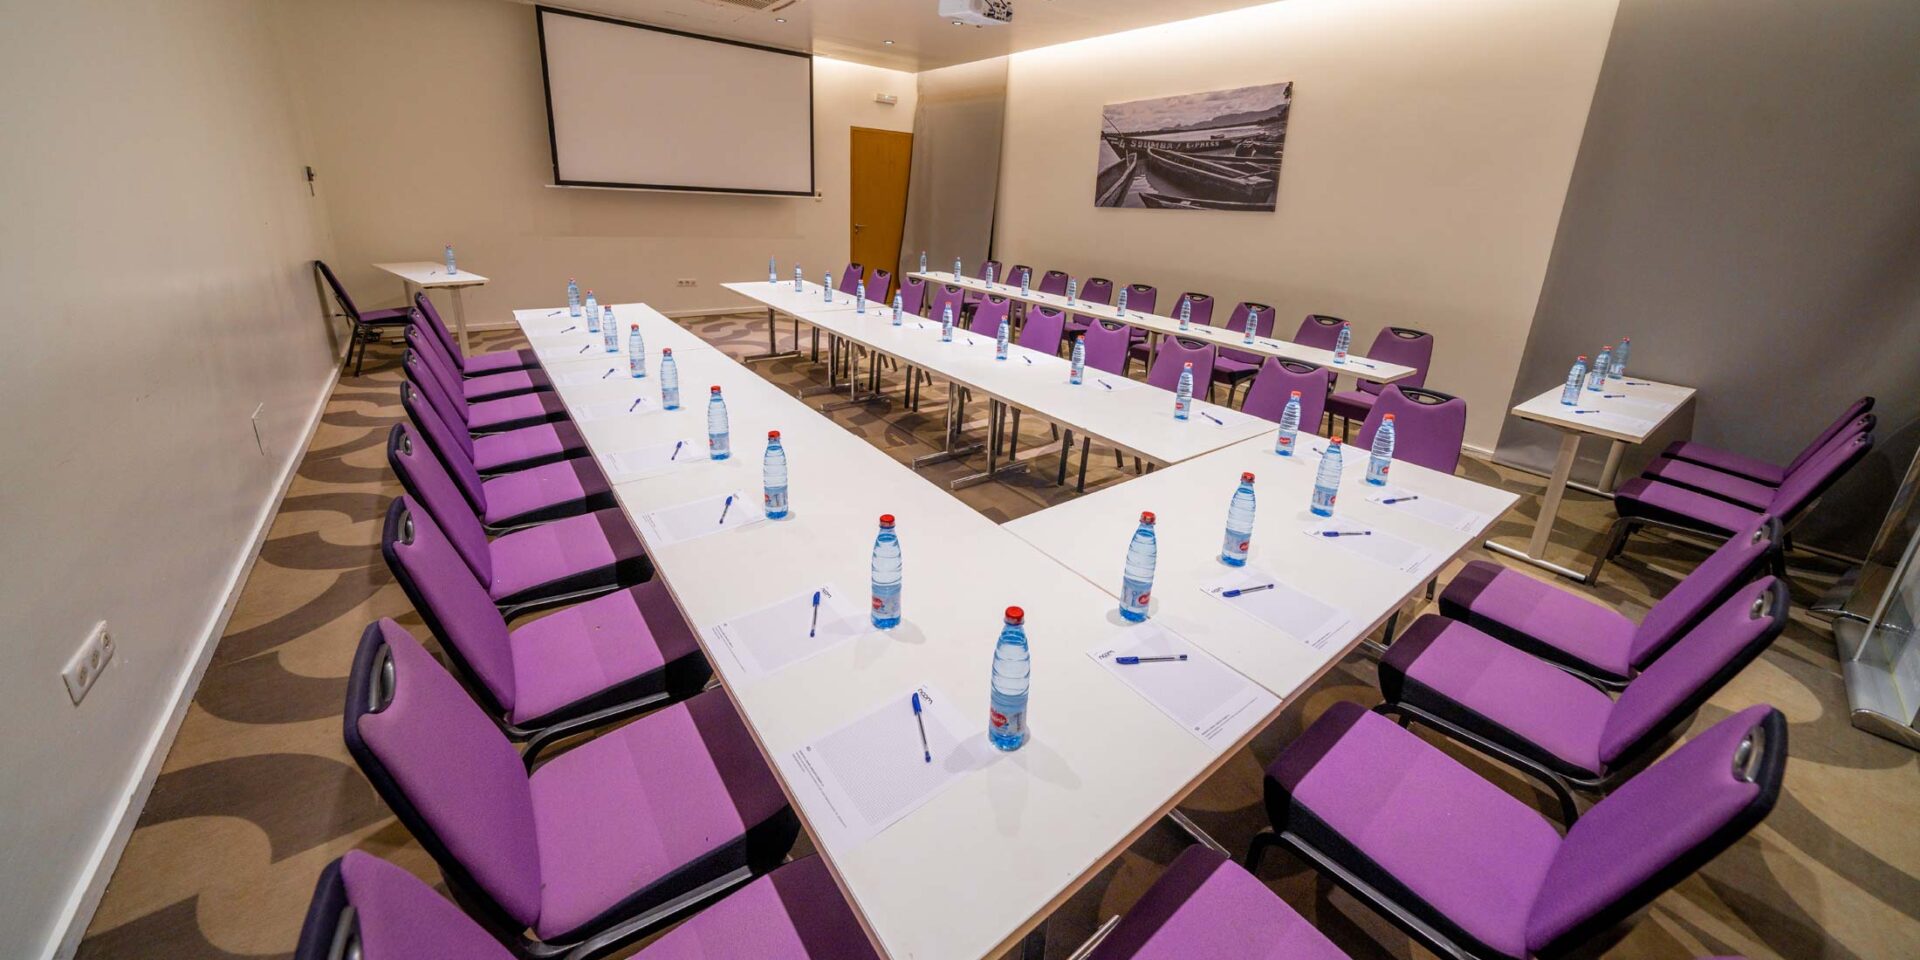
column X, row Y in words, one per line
column 1044, row 329
column 880, row 284
column 987, row 316
column 1736, row 563
column 850, row 277
column 1262, row 327
column 340, row 295
column 456, row 608
column 1695, row 668
column 1202, row 308
column 1142, row 298
column 418, row 370
column 1428, row 426
column 428, row 347
column 913, row 294
column 421, row 411
column 1864, row 423
column 444, row 448
column 1175, row 353
column 999, row 272
column 1800, row 490
column 428, row 485
column 1402, row 345
column 446, row 770
column 1055, row 282
column 1096, row 290
column 1107, row 343
column 431, row 315
column 1319, row 331
column 944, row 296
column 1276, row 382
column 1855, row 410
column 1659, row 827
column 1014, row 272
column 394, row 916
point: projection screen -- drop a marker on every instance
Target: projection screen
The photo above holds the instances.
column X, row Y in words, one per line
column 630, row 105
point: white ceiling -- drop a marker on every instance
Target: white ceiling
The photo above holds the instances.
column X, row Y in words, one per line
column 857, row 30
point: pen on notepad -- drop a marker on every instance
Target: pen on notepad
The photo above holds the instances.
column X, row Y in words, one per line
column 815, row 625
column 1029, row 360
column 609, row 373
column 1586, row 411
column 1612, row 396
column 926, row 752
column 1243, row 590
column 1391, row 500
column 1346, row 533
column 725, row 507
column 571, row 329
column 1637, row 383
column 556, row 313
column 676, row 450
column 1215, row 419
column 1130, row 661
column 1103, row 383
column 635, row 403
column 586, row 348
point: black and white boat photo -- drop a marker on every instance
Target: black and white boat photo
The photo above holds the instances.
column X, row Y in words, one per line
column 1200, row 151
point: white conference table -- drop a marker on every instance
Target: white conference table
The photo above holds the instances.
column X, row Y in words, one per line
column 1132, row 416
column 1158, row 327
column 1626, row 412
column 1090, row 534
column 983, row 862
column 432, row 275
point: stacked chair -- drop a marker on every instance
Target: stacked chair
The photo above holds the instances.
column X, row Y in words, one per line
column 366, row 326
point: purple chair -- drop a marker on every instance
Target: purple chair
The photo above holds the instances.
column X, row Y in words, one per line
column 1760, row 471
column 508, row 501
column 1470, row 871
column 1235, row 367
column 1054, row 282
column 1205, row 905
column 595, row 846
column 1319, row 330
column 493, row 386
column 1014, row 272
column 913, row 295
column 1739, row 489
column 1429, row 426
column 1278, row 380
column 489, row 416
column 988, row 314
column 880, row 285
column 500, row 361
column 1401, row 345
column 944, row 296
column 1202, row 314
column 1142, row 298
column 1107, row 347
column 1593, row 640
column 1555, row 727
column 367, row 325
column 972, row 299
column 1044, row 330
column 850, row 276
column 574, row 669
column 1175, row 354
column 498, row 452
column 1095, row 290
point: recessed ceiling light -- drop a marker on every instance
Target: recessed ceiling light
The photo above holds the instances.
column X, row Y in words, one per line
column 958, row 24
column 779, row 19
column 887, row 42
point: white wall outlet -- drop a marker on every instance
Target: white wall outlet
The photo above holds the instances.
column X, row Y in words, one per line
column 88, row 662
column 686, row 282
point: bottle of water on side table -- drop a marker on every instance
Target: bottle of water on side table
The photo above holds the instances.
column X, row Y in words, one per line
column 899, row 307
column 799, row 279
column 1012, row 678
column 1619, row 369
column 923, row 261
column 636, row 353
column 1026, row 278
column 719, row 444
column 886, row 575
column 1183, row 394
column 1570, row 394
column 593, row 313
column 773, row 271
column 773, row 477
column 1381, row 459
column 1326, row 483
column 1253, row 325
column 860, row 298
column 451, row 269
column 1233, row 550
column 1073, row 290
column 1597, row 377
column 957, row 273
column 1136, row 585
column 669, row 380
column 1120, row 305
column 1186, row 314
column 1289, row 427
column 826, row 286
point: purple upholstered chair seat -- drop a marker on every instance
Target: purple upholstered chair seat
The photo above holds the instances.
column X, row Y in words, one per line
column 500, row 361
column 395, row 917
column 494, row 386
column 511, row 413
column 546, row 492
column 793, row 913
column 1642, row 498
column 615, row 816
column 527, row 447
column 594, row 550
column 1726, row 486
column 1351, row 404
column 1541, row 619
column 1726, row 461
column 580, row 651
column 1205, row 905
column 390, row 316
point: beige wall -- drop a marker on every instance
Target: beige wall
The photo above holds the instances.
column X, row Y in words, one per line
column 155, row 262
column 1428, row 156
column 431, row 128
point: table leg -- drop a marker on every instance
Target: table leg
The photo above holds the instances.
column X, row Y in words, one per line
column 460, row 318
column 1609, row 473
column 1536, row 552
column 952, row 452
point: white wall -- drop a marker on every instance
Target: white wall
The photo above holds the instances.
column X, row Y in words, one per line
column 431, row 128
column 155, row 261
column 1427, row 159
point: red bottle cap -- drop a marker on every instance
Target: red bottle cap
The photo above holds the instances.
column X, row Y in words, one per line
column 713, row 389
column 886, row 519
column 1146, row 516
column 1246, row 478
column 635, row 327
column 1016, row 615
column 773, row 434
column 1296, row 395
column 1388, row 417
column 666, row 351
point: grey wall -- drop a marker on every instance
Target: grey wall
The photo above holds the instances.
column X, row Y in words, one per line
column 1746, row 206
column 956, row 165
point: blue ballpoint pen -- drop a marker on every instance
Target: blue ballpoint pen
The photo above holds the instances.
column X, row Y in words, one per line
column 609, row 373
column 571, row 329
column 1612, row 396
column 926, row 752
column 1103, row 383
column 1029, row 360
column 1215, row 419
column 811, row 628
column 1393, row 500
column 1241, row 590
column 725, row 507
column 586, row 348
column 1346, row 533
column 676, row 452
column 1637, row 383
column 635, row 403
column 1130, row 661
column 1586, row 411
column 556, row 313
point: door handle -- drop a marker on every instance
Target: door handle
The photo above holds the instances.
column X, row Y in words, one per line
column 859, row 227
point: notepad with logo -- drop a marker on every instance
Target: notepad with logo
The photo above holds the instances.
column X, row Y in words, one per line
column 862, row 778
column 1257, row 593
column 701, row 518
column 1210, row 699
column 789, row 631
column 1428, row 507
column 653, row 459
column 1382, row 548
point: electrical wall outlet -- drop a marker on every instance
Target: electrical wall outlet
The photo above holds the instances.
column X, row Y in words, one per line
column 686, row 282
column 88, row 662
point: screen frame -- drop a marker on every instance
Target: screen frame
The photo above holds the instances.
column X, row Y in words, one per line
column 553, row 143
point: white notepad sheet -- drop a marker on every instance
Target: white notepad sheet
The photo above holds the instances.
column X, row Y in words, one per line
column 786, row 632
column 1382, row 548
column 704, row 517
column 865, row 776
column 1290, row 611
column 1210, row 699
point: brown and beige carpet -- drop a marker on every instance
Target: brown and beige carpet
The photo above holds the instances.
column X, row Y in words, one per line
column 258, row 793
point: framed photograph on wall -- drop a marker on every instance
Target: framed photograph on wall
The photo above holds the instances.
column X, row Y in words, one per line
column 1198, row 151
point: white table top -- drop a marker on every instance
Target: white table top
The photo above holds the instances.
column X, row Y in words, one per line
column 782, row 297
column 1355, row 364
column 431, row 273
column 1642, row 408
column 1090, row 534
column 1129, row 414
column 563, row 341
column 967, row 873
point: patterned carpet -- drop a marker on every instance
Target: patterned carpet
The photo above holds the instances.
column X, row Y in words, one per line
column 258, row 792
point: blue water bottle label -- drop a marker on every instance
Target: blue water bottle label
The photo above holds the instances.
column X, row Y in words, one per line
column 1323, row 499
column 1010, row 725
column 777, row 503
column 886, row 604
column 1233, row 548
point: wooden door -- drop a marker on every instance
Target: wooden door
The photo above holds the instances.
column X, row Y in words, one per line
column 878, row 206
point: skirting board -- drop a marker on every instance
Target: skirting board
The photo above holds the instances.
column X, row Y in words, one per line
column 85, row 896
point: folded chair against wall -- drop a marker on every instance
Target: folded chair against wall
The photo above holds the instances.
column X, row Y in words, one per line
column 498, row 452
column 1399, row 345
column 1428, row 426
column 493, row 386
column 1235, row 367
column 508, row 501
column 1319, row 330
column 366, row 326
column 487, row 416
column 594, row 846
column 1735, row 488
column 1760, row 471
column 1593, row 640
column 1470, row 871
column 479, row 365
column 1276, row 383
column 1551, row 725
column 1205, row 906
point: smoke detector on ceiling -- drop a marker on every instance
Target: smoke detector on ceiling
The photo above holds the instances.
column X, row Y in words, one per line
column 979, row 13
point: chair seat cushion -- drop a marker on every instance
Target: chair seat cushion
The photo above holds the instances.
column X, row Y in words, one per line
column 1727, row 462
column 586, row 651
column 793, row 913
column 1726, row 486
column 1489, row 689
column 1666, row 503
column 618, row 817
column 527, row 447
column 546, row 492
column 1204, row 905
column 493, row 386
column 499, row 361
column 511, row 413
column 567, row 556
column 398, row 916
column 1228, row 368
column 1351, row 404
column 397, row 316
column 1415, row 824
column 1541, row 619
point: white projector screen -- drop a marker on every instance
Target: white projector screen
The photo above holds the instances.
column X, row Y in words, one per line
column 630, row 105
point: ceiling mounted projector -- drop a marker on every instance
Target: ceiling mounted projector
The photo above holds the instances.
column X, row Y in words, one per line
column 979, row 13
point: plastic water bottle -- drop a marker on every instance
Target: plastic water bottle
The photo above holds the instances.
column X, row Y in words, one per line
column 1136, row 585
column 1000, row 339
column 773, row 476
column 1186, row 314
column 573, row 298
column 826, row 286
column 860, row 298
column 719, row 446
column 1289, row 426
column 799, row 279
column 636, row 353
column 1073, row 290
column 923, row 261
column 1597, row 377
column 1121, row 304
column 1342, row 343
column 1253, row 324
column 1619, row 370
column 1026, row 277
column 451, row 269
column 989, row 276
column 1326, row 483
column 1381, row 459
column 1183, row 394
column 610, row 330
column 957, row 274
column 946, row 324
column 593, row 313
column 669, row 380
column 886, row 575
column 1012, row 675
column 773, row 272
column 1233, row 551
column 899, row 305
column 1570, row 395
column 1077, row 367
